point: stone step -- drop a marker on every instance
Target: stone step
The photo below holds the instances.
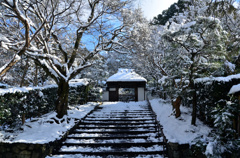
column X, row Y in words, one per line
column 123, row 116
column 108, row 156
column 130, row 112
column 115, row 132
column 120, row 116
column 114, row 129
column 114, row 145
column 117, row 123
column 109, row 137
column 118, row 119
column 107, row 150
column 113, row 140
column 113, row 154
column 153, row 134
column 117, row 127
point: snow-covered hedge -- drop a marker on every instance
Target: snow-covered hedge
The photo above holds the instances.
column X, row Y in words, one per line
column 95, row 94
column 211, row 92
column 17, row 104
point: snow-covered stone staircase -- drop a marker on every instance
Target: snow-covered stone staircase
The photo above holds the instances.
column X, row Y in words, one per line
column 115, row 130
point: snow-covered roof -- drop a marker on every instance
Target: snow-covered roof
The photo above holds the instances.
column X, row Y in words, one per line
column 126, row 75
column 234, row 89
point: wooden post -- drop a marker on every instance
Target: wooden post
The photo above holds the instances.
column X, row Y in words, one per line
column 136, row 93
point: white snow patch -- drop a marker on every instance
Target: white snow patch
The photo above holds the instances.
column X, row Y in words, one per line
column 45, row 129
column 189, row 24
column 234, row 89
column 78, row 82
column 4, row 38
column 220, row 79
column 230, row 65
column 72, row 83
column 126, row 75
column 14, row 59
column 178, row 130
column 4, row 85
column 209, row 148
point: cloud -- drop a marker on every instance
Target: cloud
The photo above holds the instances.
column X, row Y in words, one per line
column 152, row 8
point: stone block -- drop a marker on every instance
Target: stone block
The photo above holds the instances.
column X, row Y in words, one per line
column 173, row 146
column 25, row 152
column 22, row 146
column 31, row 147
column 15, row 150
column 176, row 154
column 8, row 155
column 36, row 155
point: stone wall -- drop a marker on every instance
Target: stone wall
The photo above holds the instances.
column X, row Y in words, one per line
column 176, row 150
column 20, row 150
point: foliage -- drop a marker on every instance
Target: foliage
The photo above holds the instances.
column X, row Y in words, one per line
column 217, row 88
column 166, row 15
column 222, row 141
column 4, row 112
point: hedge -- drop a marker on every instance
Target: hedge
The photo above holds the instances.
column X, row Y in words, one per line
column 29, row 102
column 210, row 93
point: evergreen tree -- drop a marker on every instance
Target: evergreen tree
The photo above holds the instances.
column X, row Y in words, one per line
column 174, row 9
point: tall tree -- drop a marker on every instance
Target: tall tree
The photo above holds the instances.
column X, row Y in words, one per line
column 200, row 46
column 52, row 32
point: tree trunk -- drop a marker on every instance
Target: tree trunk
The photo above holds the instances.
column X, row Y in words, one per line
column 23, row 118
column 24, row 74
column 194, row 107
column 193, row 91
column 176, row 105
column 36, row 75
column 62, row 100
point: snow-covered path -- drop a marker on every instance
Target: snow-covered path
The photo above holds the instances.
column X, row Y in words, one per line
column 115, row 129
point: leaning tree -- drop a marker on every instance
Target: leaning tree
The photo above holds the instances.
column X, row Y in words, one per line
column 53, row 34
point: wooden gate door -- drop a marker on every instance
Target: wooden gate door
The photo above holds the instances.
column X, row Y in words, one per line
column 113, row 94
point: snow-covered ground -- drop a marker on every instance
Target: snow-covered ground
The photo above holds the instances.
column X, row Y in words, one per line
column 45, row 129
column 178, row 130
